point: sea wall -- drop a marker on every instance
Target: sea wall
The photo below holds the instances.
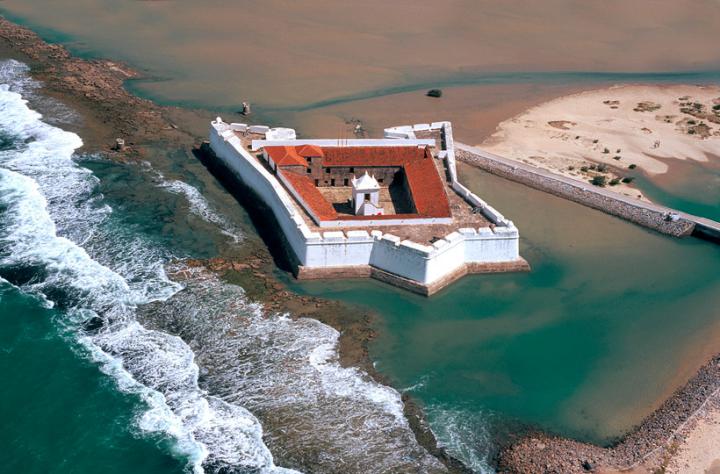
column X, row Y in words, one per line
column 351, row 253
column 659, row 218
column 228, row 148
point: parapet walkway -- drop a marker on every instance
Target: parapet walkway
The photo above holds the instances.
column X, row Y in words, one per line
column 660, row 218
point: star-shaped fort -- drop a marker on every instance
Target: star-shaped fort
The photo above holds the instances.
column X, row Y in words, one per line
column 391, row 208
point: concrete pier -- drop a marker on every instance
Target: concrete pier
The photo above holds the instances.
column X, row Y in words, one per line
column 653, row 216
column 707, row 229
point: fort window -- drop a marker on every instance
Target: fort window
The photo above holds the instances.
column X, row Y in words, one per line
column 367, row 197
column 332, row 182
column 352, row 170
column 309, row 171
column 317, row 182
column 380, row 181
column 346, row 182
column 327, row 170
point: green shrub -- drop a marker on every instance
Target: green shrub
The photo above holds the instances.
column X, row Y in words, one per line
column 632, row 166
column 602, row 167
column 606, row 151
column 614, row 181
column 599, row 181
column 584, row 169
column 616, row 157
column 628, row 179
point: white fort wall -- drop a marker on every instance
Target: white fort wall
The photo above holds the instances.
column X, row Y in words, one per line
column 424, row 264
column 448, row 153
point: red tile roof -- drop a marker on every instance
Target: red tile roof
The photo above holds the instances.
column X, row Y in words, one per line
column 307, row 151
column 425, row 183
column 310, row 194
column 285, row 155
column 372, row 156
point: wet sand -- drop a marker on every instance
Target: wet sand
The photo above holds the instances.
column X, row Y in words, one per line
column 475, row 111
column 220, row 53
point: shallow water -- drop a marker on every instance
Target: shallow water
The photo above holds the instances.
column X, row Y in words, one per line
column 84, row 243
column 295, row 62
column 611, row 319
column 690, row 186
column 324, row 67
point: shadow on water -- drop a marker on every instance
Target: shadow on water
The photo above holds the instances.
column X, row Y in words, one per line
column 261, row 216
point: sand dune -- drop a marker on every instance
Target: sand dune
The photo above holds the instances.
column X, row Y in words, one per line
column 622, row 127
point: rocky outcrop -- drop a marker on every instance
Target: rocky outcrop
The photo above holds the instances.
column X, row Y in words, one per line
column 647, row 445
column 96, row 86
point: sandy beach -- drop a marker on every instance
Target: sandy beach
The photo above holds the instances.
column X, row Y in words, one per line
column 697, row 448
column 606, row 134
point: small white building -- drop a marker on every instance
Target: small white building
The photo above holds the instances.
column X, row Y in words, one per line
column 366, row 196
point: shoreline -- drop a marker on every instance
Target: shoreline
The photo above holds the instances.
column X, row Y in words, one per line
column 613, row 134
column 94, row 90
column 649, row 446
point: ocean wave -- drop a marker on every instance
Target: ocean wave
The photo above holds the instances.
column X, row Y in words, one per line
column 463, row 433
column 287, row 371
column 15, row 75
column 201, row 207
column 171, row 344
column 49, row 204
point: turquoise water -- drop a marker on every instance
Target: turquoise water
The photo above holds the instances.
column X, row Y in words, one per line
column 692, row 187
column 82, row 248
column 110, row 361
column 611, row 318
column 59, row 413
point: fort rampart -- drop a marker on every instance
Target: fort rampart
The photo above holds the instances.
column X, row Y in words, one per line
column 353, row 253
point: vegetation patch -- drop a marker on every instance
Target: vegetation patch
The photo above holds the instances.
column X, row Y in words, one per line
column 647, row 106
column 599, row 181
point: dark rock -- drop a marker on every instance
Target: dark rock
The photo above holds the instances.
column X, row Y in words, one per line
column 94, row 324
column 434, row 93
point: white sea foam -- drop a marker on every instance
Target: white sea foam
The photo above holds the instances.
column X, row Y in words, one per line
column 201, row 207
column 15, row 74
column 463, row 432
column 288, row 369
column 48, row 204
